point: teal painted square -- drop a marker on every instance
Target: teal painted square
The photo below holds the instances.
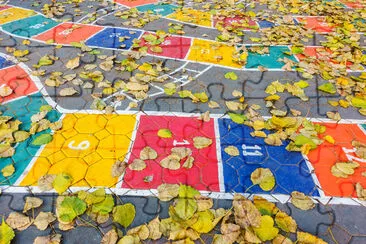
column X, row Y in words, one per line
column 158, row 9
column 31, row 26
column 269, row 60
column 22, row 110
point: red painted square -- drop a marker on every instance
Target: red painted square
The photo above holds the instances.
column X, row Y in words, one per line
column 320, row 53
column 135, row 3
column 4, row 7
column 326, row 155
column 18, row 80
column 315, row 23
column 66, row 33
column 235, row 22
column 173, row 46
column 354, row 4
column 204, row 173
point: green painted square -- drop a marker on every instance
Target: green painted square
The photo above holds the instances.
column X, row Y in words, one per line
column 270, row 60
column 31, row 26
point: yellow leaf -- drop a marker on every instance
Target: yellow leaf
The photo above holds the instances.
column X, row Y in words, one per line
column 264, row 178
column 266, row 231
column 232, row 150
column 301, row 201
column 8, row 170
column 73, row 63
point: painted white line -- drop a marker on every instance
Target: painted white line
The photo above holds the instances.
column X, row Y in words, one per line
column 220, row 163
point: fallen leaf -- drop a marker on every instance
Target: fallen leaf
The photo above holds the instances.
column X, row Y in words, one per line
column 181, row 152
column 165, row 133
column 5, row 91
column 137, row 165
column 73, row 63
column 301, row 201
column 68, row 91
column 6, row 233
column 266, row 231
column 18, row 221
column 303, row 237
column 231, row 76
column 232, row 151
column 201, row 142
column 264, row 178
column 50, row 239
column 118, row 168
column 167, row 192
column 62, row 182
column 45, row 182
column 124, row 214
column 111, row 237
column 8, row 170
column 344, row 169
column 171, row 162
column 154, row 229
column 285, row 222
column 141, row 231
column 43, row 219
column 31, row 203
column 245, row 212
column 147, row 153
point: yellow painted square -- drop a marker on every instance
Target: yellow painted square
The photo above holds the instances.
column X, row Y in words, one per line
column 88, row 153
column 192, row 16
column 212, row 52
column 12, row 14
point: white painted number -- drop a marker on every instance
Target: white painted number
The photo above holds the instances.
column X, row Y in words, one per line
column 351, row 157
column 177, row 143
column 37, row 26
column 251, row 153
column 81, row 146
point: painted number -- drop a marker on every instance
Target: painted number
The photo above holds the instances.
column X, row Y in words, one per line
column 177, row 143
column 81, row 146
column 351, row 157
column 65, row 32
column 251, row 150
column 115, row 35
column 37, row 26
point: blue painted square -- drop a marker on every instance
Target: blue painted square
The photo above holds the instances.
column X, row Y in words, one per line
column 158, row 9
column 31, row 26
column 110, row 38
column 22, row 110
column 265, row 24
column 269, row 60
column 5, row 63
column 289, row 168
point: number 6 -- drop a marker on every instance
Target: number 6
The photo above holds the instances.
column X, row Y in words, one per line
column 82, row 145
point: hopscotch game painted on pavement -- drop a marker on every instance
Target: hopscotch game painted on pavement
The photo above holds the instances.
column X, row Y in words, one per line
column 89, row 142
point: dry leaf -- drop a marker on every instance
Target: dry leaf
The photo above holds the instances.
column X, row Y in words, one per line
column 167, row 192
column 111, row 237
column 344, row 169
column 5, row 91
column 118, row 168
column 147, row 153
column 154, row 229
column 232, row 151
column 301, row 201
column 264, row 178
column 32, row 202
column 246, row 214
column 181, row 152
column 73, row 63
column 361, row 192
column 43, row 220
column 171, row 162
column 200, row 142
column 137, row 165
column 68, row 91
column 18, row 221
column 45, row 182
column 51, row 239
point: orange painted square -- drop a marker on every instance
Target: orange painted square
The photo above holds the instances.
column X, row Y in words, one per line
column 135, row 3
column 326, row 155
column 315, row 23
column 69, row 32
column 18, row 80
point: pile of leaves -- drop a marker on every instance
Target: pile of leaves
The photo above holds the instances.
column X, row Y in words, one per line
column 190, row 216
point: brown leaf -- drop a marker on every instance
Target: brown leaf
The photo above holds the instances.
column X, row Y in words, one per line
column 203, row 202
column 141, row 231
column 167, row 192
column 118, row 168
column 45, row 182
column 301, row 201
column 111, row 237
column 50, row 239
column 246, row 214
column 5, row 91
column 147, row 153
column 18, row 221
column 171, row 162
column 137, row 165
column 181, row 152
column 201, row 142
column 43, row 220
column 68, row 91
column 73, row 63
column 32, row 202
